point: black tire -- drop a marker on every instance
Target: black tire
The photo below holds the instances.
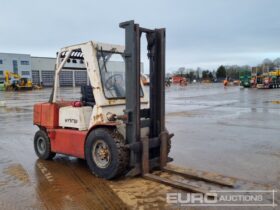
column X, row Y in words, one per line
column 113, row 166
column 42, row 146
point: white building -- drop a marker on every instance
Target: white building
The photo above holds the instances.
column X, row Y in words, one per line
column 41, row 69
column 16, row 63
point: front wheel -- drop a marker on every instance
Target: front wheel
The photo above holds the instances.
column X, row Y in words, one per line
column 105, row 153
column 42, row 145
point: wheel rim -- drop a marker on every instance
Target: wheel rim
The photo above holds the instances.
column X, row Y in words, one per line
column 101, row 154
column 41, row 145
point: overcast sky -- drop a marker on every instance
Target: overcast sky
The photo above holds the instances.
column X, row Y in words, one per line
column 203, row 33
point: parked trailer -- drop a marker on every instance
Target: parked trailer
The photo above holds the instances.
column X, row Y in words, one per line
column 256, row 76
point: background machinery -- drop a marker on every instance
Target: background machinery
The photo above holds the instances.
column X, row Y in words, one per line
column 16, row 82
column 245, row 78
column 180, row 80
column 272, row 78
column 256, row 77
column 265, row 77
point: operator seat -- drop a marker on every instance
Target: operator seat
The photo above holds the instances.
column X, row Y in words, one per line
column 87, row 95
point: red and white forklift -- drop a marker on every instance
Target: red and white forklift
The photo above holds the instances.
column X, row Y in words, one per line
column 116, row 127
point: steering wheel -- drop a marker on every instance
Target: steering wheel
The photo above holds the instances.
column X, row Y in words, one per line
column 112, row 81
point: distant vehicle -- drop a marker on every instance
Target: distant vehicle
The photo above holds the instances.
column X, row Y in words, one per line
column 272, row 79
column 225, row 82
column 179, row 80
column 245, row 78
column 16, row 82
column 256, row 76
column 268, row 78
column 145, row 79
column 236, row 82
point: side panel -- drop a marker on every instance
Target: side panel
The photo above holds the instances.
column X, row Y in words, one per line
column 37, row 111
column 46, row 114
column 49, row 115
column 68, row 141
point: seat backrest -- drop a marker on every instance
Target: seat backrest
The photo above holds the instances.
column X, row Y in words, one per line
column 87, row 95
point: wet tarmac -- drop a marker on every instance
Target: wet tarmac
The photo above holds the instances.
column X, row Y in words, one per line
column 228, row 131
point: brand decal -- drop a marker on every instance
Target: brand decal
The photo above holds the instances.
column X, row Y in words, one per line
column 71, row 121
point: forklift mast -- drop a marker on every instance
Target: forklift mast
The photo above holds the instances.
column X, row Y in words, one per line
column 156, row 111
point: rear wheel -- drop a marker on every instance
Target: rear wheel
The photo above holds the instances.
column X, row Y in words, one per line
column 42, row 145
column 105, row 153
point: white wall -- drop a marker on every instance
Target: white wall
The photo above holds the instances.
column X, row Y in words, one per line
column 8, row 58
column 41, row 63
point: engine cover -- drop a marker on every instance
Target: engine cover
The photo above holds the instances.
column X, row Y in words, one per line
column 75, row 117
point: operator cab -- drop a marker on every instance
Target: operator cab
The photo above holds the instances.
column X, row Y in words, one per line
column 105, row 67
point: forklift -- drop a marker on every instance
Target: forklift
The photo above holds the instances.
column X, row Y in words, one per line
column 116, row 127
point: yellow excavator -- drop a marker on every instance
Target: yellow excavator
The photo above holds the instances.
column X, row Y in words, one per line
column 16, row 82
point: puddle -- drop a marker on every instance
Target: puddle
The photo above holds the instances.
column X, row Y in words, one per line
column 17, row 171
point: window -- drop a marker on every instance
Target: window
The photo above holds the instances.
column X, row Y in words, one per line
column 66, row 78
column 15, row 66
column 36, row 77
column 47, row 77
column 80, row 78
column 25, row 73
column 24, row 62
column 112, row 69
column 1, row 72
column 112, row 76
column 1, row 61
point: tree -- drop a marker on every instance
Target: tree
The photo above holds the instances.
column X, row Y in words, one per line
column 181, row 71
column 221, row 72
column 267, row 61
column 205, row 74
column 210, row 75
column 276, row 62
column 192, row 76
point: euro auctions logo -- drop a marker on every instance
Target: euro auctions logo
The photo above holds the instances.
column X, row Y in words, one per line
column 264, row 198
column 192, row 198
